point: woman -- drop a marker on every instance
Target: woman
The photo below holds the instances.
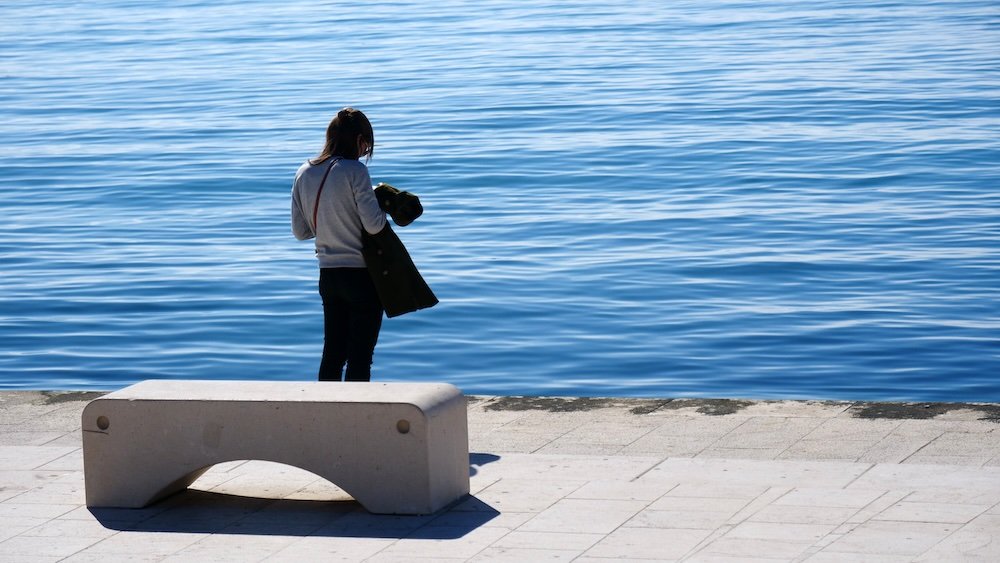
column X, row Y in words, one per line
column 333, row 201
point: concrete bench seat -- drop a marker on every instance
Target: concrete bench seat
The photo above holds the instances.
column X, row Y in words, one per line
column 397, row 448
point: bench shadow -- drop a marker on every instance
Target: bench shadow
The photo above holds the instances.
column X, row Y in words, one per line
column 477, row 460
column 207, row 512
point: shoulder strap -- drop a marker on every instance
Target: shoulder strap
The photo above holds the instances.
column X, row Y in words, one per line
column 320, row 192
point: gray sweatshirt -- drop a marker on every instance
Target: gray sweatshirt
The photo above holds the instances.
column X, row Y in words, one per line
column 346, row 206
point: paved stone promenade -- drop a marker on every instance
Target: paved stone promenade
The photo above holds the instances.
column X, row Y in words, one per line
column 584, row 480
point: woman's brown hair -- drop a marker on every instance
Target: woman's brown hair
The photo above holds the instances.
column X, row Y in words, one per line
column 344, row 136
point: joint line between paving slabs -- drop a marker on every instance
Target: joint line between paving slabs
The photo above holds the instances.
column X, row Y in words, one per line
column 650, row 468
column 629, row 519
column 719, row 439
column 918, row 450
column 535, row 451
column 860, row 475
column 727, row 527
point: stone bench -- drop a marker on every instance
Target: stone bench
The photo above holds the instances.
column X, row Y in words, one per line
column 397, row 448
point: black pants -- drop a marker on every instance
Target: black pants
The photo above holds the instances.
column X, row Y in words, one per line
column 352, row 317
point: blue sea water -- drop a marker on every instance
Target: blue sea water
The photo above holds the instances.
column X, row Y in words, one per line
column 777, row 199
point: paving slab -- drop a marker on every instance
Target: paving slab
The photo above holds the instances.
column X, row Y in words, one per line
column 558, row 479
